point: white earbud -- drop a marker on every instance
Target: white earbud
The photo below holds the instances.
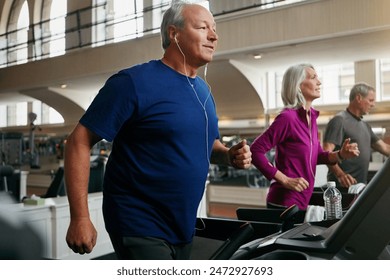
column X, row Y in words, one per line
column 176, row 39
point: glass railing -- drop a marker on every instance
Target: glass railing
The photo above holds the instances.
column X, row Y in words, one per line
column 96, row 26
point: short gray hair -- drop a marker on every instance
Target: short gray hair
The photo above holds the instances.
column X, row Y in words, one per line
column 360, row 88
column 291, row 92
column 172, row 16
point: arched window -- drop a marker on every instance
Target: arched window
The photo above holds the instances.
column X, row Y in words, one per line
column 17, row 33
column 57, row 27
column 53, row 27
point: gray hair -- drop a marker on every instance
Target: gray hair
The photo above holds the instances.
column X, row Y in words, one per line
column 291, row 92
column 172, row 16
column 360, row 89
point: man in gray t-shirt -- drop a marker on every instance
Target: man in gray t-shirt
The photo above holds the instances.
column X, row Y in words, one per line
column 350, row 124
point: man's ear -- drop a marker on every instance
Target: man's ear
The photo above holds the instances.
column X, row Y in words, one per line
column 172, row 31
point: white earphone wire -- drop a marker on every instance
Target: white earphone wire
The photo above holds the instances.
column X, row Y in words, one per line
column 203, row 105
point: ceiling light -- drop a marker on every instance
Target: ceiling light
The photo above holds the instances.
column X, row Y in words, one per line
column 64, row 86
column 257, row 56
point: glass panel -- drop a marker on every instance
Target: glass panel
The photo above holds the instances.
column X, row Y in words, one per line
column 37, row 108
column 128, row 20
column 385, row 79
column 57, row 27
column 278, row 86
column 54, row 116
column 337, row 80
column 21, row 113
column 3, row 115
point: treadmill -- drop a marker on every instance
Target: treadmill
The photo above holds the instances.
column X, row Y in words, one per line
column 363, row 233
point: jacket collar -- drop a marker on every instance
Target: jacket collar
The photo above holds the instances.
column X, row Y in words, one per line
column 313, row 112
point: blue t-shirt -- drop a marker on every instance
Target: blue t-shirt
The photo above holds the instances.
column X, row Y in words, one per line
column 163, row 126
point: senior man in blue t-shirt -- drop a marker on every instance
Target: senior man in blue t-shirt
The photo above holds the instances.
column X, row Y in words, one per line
column 161, row 119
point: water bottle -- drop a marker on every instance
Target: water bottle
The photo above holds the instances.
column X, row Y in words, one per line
column 332, row 200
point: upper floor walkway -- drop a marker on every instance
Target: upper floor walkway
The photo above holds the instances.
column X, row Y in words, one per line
column 321, row 32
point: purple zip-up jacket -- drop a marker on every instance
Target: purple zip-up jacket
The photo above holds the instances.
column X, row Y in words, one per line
column 298, row 151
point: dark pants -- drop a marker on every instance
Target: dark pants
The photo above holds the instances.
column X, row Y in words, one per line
column 271, row 205
column 149, row 248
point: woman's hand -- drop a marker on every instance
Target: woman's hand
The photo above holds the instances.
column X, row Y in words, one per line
column 296, row 184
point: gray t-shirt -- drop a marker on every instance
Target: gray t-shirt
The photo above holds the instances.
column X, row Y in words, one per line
column 345, row 125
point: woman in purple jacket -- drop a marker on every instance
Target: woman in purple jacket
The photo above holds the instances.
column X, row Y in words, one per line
column 294, row 135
